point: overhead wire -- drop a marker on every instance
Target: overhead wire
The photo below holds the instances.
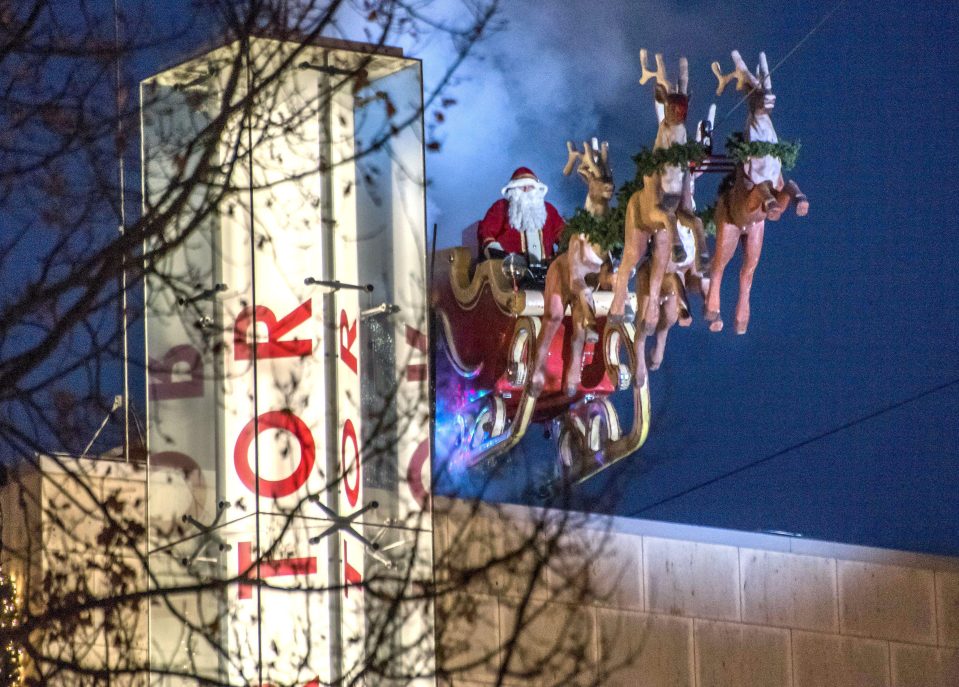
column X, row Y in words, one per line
column 121, row 181
column 800, row 444
column 829, row 432
column 785, row 57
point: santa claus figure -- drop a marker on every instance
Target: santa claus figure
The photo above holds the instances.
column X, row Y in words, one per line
column 521, row 221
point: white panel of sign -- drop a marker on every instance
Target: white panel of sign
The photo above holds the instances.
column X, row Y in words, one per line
column 247, row 299
column 274, row 382
column 181, row 390
column 383, row 380
column 182, row 404
column 410, row 288
column 390, row 248
column 281, row 625
column 349, row 368
column 274, row 373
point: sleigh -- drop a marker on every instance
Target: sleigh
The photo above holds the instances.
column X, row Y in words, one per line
column 487, row 323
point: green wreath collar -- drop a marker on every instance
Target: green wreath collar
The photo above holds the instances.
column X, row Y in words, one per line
column 741, row 150
column 650, row 162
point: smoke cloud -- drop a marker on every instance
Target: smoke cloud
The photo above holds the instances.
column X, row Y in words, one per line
column 566, row 71
column 546, row 73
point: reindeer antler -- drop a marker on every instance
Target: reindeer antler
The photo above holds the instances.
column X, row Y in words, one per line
column 574, row 156
column 683, row 75
column 724, row 79
column 589, row 158
column 592, row 161
column 763, row 72
column 741, row 74
column 659, row 74
column 741, row 68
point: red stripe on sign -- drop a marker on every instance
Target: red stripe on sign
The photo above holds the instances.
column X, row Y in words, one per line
column 417, row 339
column 269, row 568
column 414, row 473
column 416, row 372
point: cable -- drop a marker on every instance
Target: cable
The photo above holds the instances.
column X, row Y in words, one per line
column 787, row 56
column 121, row 178
column 801, row 444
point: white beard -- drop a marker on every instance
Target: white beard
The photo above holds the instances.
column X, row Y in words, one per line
column 527, row 209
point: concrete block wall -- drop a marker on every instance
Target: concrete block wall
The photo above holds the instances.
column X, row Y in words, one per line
column 61, row 526
column 534, row 597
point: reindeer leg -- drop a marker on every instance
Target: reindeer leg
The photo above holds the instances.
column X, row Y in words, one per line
column 607, row 278
column 633, row 250
column 669, row 316
column 727, row 235
column 682, row 299
column 575, row 369
column 692, row 278
column 584, row 297
column 639, row 355
column 752, row 247
column 582, row 294
column 791, row 191
column 634, row 246
column 782, row 200
column 702, row 250
column 692, row 284
column 552, row 319
column 769, row 202
column 699, row 240
column 662, row 246
column 583, row 312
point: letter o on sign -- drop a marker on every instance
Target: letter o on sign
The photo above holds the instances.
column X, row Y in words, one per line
column 275, row 419
column 352, row 491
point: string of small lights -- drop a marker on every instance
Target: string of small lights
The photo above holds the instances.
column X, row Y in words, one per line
column 11, row 654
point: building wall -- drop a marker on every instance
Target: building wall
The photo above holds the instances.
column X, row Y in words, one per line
column 531, row 597
column 74, row 534
column 539, row 597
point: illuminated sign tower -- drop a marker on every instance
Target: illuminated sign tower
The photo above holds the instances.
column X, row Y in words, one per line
column 288, row 379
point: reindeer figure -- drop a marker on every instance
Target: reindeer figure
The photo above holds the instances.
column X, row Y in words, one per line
column 594, row 170
column 758, row 192
column 566, row 277
column 651, row 211
column 679, row 280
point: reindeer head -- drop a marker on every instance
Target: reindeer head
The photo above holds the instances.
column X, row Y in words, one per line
column 760, row 97
column 674, row 98
column 595, row 171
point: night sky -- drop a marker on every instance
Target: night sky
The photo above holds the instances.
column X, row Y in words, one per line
column 853, row 307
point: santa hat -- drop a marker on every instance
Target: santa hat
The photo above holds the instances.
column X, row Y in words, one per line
column 523, row 176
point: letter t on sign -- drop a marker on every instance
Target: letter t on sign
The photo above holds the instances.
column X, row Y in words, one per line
column 416, row 372
column 270, row 568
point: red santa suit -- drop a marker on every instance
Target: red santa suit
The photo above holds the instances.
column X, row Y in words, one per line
column 496, row 230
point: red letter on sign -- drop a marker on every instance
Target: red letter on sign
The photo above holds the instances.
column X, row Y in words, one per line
column 287, row 566
column 416, row 372
column 275, row 419
column 188, row 360
column 350, row 332
column 414, row 472
column 352, row 492
column 273, row 347
column 350, row 574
